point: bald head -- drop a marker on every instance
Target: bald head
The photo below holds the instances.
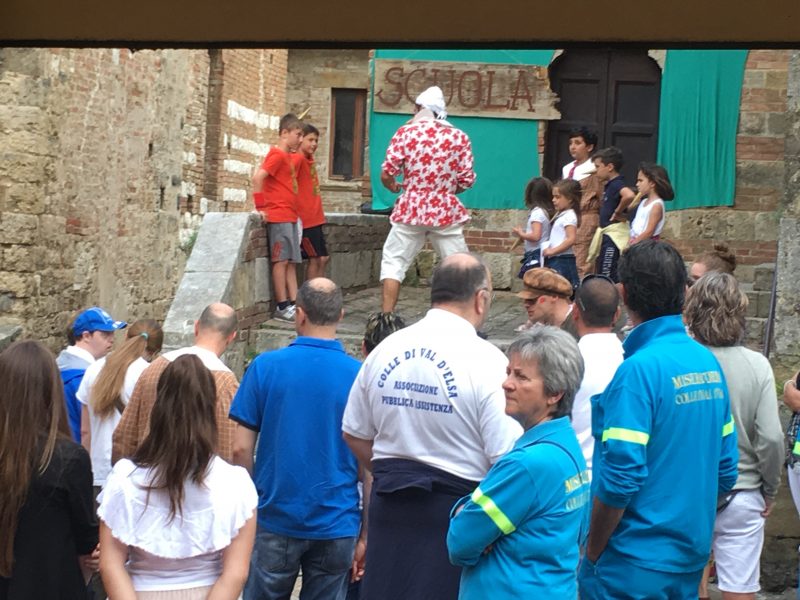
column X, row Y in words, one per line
column 217, row 319
column 321, row 300
column 458, row 278
column 597, row 300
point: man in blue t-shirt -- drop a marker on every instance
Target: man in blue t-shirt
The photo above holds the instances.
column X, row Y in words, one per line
column 665, row 445
column 291, row 401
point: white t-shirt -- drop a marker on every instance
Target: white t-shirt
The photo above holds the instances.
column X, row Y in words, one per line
column 537, row 215
column 558, row 233
column 432, row 393
column 582, row 171
column 639, row 223
column 187, row 551
column 602, row 355
column 102, row 429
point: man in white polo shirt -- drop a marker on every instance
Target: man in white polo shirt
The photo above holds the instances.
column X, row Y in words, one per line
column 427, row 412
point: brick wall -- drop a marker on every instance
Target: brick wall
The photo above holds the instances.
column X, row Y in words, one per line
column 312, row 75
column 108, row 160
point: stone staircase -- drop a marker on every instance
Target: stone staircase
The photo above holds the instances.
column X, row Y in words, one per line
column 759, row 293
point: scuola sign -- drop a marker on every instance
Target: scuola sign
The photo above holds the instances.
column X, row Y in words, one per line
column 500, row 91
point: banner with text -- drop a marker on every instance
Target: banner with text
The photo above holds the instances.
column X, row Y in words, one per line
column 499, row 91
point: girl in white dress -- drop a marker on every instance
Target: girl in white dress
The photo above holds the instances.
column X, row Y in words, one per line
column 177, row 521
column 654, row 185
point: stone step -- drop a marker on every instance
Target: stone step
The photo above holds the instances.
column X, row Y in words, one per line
column 759, row 300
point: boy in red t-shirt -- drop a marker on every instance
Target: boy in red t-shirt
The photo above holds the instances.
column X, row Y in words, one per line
column 275, row 196
column 309, row 204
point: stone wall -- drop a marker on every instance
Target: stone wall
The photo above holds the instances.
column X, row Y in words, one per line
column 230, row 263
column 108, row 159
column 312, row 75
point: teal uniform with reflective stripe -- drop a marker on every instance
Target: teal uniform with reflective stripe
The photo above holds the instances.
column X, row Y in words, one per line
column 533, row 509
column 665, row 447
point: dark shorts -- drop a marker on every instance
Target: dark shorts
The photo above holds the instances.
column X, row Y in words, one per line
column 313, row 243
column 284, row 242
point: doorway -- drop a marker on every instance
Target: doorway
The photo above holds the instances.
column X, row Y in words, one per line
column 615, row 92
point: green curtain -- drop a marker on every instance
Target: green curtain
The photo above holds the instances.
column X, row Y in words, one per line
column 506, row 150
column 700, row 95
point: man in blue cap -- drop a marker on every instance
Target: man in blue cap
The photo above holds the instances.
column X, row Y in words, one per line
column 90, row 337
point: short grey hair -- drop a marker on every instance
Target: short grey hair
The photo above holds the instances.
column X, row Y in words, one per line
column 558, row 360
column 321, row 300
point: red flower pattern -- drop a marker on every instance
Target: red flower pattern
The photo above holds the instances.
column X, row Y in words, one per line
column 435, row 161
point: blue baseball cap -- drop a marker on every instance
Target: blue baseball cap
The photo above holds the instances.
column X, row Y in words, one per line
column 95, row 319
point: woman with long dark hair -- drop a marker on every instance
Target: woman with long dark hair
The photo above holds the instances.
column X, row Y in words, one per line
column 47, row 519
column 177, row 521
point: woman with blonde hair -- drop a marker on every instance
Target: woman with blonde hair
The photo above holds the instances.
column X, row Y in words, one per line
column 106, row 388
column 177, row 521
column 47, row 521
column 715, row 316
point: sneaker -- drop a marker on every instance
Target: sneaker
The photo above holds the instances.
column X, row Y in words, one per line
column 287, row 314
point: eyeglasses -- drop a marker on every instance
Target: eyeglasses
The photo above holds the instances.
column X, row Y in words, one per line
column 530, row 301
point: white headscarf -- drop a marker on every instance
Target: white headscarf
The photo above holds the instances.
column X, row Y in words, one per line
column 433, row 100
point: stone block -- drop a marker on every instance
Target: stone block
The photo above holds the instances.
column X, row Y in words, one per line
column 741, row 226
column 261, row 283
column 220, row 241
column 15, row 118
column 500, row 265
column 752, row 303
column 28, row 142
column 776, row 123
column 776, row 80
column 745, row 273
column 764, row 300
column 752, row 123
column 8, row 334
column 762, row 280
column 759, row 174
column 17, row 285
column 754, row 331
column 18, row 228
column 18, row 258
column 195, row 292
column 24, row 168
column 342, row 269
column 24, row 198
column 766, row 227
column 425, row 262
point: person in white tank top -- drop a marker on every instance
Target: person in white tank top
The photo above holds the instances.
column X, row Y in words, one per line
column 654, row 185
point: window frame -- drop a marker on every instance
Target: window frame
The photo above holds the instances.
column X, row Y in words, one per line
column 359, row 136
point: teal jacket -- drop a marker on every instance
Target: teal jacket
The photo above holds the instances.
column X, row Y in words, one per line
column 665, row 447
column 532, row 509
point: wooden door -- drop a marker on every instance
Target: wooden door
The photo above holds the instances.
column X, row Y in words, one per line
column 616, row 93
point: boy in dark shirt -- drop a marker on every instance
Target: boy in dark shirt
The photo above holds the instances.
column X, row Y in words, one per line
column 616, row 198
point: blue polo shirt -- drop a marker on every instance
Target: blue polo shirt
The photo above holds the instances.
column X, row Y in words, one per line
column 665, row 447
column 305, row 474
column 611, row 198
column 533, row 509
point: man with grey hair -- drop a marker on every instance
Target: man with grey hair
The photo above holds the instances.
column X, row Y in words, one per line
column 214, row 331
column 290, row 404
column 427, row 412
column 436, row 161
column 596, row 309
